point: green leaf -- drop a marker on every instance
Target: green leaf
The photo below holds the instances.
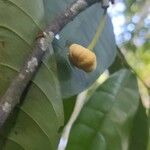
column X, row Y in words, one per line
column 35, row 123
column 69, row 104
column 119, row 62
column 106, row 119
column 81, row 30
column 140, row 130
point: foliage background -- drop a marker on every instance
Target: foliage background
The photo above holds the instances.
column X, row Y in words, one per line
column 113, row 115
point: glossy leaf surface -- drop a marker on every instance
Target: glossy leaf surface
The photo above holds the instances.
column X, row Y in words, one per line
column 106, row 119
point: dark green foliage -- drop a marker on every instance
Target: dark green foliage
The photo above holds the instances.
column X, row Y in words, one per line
column 106, row 120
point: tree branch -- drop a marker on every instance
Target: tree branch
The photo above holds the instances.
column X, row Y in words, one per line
column 12, row 96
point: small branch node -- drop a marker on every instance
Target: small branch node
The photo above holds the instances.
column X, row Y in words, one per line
column 45, row 41
column 78, row 5
column 105, row 4
column 21, row 76
column 32, row 64
column 6, row 107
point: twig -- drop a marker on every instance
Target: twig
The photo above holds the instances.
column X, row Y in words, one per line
column 14, row 92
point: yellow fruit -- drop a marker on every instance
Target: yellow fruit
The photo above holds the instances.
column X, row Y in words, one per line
column 82, row 58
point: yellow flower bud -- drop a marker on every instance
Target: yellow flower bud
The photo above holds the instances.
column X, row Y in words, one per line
column 82, row 58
